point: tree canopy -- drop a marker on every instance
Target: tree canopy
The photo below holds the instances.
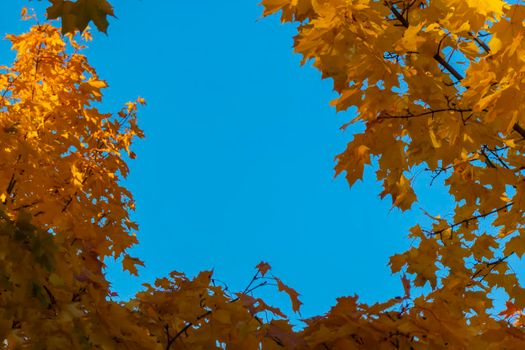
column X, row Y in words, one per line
column 436, row 85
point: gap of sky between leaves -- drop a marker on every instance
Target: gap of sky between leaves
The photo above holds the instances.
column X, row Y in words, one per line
column 237, row 164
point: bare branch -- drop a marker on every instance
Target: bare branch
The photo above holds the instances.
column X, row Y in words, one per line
column 422, row 114
column 472, row 218
column 491, row 265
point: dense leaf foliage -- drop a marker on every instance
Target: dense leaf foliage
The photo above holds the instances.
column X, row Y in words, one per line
column 437, row 86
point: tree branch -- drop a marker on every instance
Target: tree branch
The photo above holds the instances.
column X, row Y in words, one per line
column 481, row 43
column 422, row 114
column 516, row 127
column 487, row 159
column 491, row 265
column 447, row 66
column 495, row 154
column 472, row 218
column 397, row 14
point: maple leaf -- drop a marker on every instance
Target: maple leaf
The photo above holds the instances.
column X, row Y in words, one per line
column 272, row 6
column 263, row 268
column 292, row 294
column 130, row 264
column 77, row 15
column 510, row 310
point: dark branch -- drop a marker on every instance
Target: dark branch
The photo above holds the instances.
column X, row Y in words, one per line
column 397, row 14
column 495, row 154
column 481, row 43
column 472, row 218
column 426, row 113
column 487, row 159
column 516, row 127
column 447, row 66
column 491, row 265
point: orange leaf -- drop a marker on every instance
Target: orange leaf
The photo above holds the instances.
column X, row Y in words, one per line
column 263, row 268
column 129, row 264
column 294, row 296
column 510, row 311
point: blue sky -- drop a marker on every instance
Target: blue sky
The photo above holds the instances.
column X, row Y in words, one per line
column 237, row 164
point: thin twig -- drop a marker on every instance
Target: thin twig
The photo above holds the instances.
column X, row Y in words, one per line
column 492, row 265
column 422, row 114
column 472, row 218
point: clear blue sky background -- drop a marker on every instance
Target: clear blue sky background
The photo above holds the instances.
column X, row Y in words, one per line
column 237, row 165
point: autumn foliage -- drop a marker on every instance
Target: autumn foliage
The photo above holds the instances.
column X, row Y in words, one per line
column 64, row 211
column 436, row 85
